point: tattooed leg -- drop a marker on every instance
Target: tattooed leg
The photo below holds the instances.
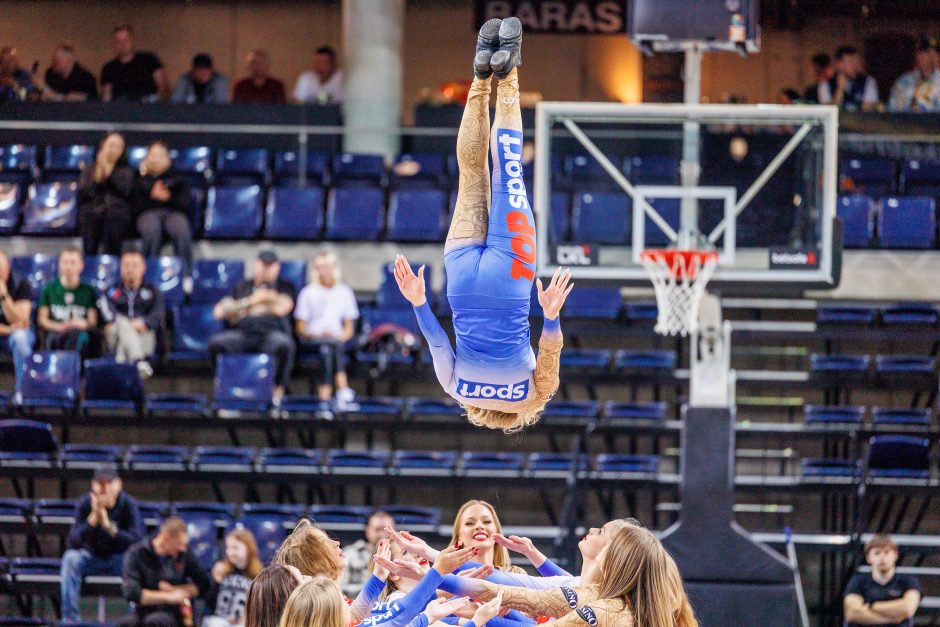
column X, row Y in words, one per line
column 471, row 213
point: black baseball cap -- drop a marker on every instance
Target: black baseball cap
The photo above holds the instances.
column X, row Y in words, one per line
column 267, row 257
column 202, row 60
column 105, row 474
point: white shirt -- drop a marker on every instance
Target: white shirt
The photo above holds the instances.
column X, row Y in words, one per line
column 870, row 95
column 310, row 89
column 325, row 309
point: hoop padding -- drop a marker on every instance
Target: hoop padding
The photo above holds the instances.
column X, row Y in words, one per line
column 679, row 278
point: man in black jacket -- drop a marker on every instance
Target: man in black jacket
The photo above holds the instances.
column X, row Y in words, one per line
column 132, row 312
column 107, row 522
column 161, row 575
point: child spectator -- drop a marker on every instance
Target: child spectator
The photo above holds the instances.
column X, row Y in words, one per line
column 231, row 580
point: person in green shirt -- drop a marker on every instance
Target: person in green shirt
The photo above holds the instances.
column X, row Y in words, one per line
column 67, row 312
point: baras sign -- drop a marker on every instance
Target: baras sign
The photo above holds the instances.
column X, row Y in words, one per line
column 561, row 17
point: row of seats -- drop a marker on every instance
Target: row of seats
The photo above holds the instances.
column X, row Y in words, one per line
column 855, row 415
column 877, row 176
column 891, row 222
column 891, row 315
column 841, row 365
column 888, row 457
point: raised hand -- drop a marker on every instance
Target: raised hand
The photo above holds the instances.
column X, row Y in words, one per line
column 440, row 608
column 411, row 285
column 517, row 544
column 480, row 572
column 412, row 544
column 452, row 558
column 488, row 610
column 553, row 297
column 382, row 550
column 399, row 568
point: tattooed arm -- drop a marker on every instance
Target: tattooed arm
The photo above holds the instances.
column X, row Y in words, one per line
column 548, row 360
column 555, row 603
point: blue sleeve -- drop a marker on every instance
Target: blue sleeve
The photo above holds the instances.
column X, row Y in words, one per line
column 438, row 343
column 369, row 595
column 552, row 326
column 510, row 620
column 404, row 610
column 519, row 617
column 551, row 569
column 450, row 620
column 419, row 621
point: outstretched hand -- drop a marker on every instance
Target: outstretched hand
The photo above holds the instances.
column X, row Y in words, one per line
column 553, row 297
column 410, row 284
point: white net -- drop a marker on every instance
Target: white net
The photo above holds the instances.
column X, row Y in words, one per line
column 679, row 278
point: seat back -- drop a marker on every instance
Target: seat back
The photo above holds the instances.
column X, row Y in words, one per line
column 594, row 302
column 417, row 215
column 875, row 177
column 68, row 159
column 233, row 212
column 418, row 170
column 214, row 279
column 652, row 170
column 355, row 213
column 350, row 167
column 37, row 270
column 389, row 296
column 907, row 222
column 106, row 379
column 166, row 274
column 287, row 168
column 51, row 209
column 9, row 207
column 294, row 213
column 102, row 272
column 268, row 531
column 242, row 164
column 193, row 325
column 856, row 214
column 195, row 160
column 294, row 271
column 899, row 455
column 27, row 436
column 244, row 377
column 601, row 218
column 52, row 375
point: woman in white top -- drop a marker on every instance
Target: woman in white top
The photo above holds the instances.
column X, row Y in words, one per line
column 326, row 315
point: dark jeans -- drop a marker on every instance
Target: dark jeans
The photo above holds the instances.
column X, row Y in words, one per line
column 332, row 354
column 86, row 342
column 278, row 344
column 105, row 228
column 153, row 224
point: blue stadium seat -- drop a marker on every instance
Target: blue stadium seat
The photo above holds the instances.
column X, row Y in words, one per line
column 51, row 380
column 375, row 317
column 51, row 209
column 900, row 416
column 424, row 462
column 488, row 462
column 834, row 414
column 289, row 511
column 410, row 516
column 243, row 382
column 294, row 213
column 417, row 215
column 555, row 462
column 609, row 462
column 668, row 209
column 194, row 163
column 202, row 526
column 22, row 621
column 898, row 456
column 355, row 213
column 242, row 166
column 828, row 467
column 636, row 410
column 641, row 312
column 288, row 460
column 389, row 296
column 418, row 170
column 91, row 455
column 839, row 364
column 337, row 460
column 585, row 358
column 294, row 271
column 193, row 325
column 601, row 218
column 386, row 406
column 65, row 163
column 340, row 514
column 904, row 364
column 233, row 212
column 102, row 272
column 652, row 170
column 166, row 274
column 26, row 566
column 153, row 511
column 921, row 177
column 15, row 511
column 585, row 173
column 18, row 164
column 27, row 442
column 594, row 302
column 907, row 222
column 110, row 385
column 175, row 403
column 37, row 270
column 135, row 156
column 214, row 279
column 856, row 213
column 156, row 457
column 305, row 403
column 287, row 168
column 875, row 177
column 349, row 167
column 910, row 314
column 650, row 360
column 560, row 207
column 54, row 510
column 571, row 410
column 268, row 530
column 845, row 314
column 432, row 407
column 223, row 458
column 9, row 207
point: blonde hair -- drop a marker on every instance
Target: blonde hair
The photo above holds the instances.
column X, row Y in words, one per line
column 500, row 554
column 316, row 603
column 330, row 257
column 506, row 422
column 247, row 538
column 309, row 550
column 636, row 570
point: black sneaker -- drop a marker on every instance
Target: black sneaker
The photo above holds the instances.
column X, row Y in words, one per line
column 509, row 54
column 487, row 43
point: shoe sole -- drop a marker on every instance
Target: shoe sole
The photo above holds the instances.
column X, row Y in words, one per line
column 510, row 31
column 488, row 37
column 510, row 53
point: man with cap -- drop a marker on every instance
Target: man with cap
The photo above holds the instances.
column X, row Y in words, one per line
column 107, row 522
column 258, row 317
column 201, row 84
column 919, row 90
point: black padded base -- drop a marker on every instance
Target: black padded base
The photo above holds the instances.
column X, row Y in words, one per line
column 718, row 604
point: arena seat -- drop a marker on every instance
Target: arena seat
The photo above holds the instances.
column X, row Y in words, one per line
column 839, row 364
column 37, row 270
column 668, row 209
column 233, row 212
column 163, row 403
column 285, row 460
column 156, row 457
column 652, row 170
column 102, row 272
column 135, row 156
column 650, row 410
column 900, row 416
column 287, row 168
column 193, row 325
column 18, row 164
column 243, row 382
column 355, row 213
column 856, row 212
column 50, row 511
column 610, row 462
column 339, row 460
column 358, row 168
column 304, row 403
column 555, row 462
column 373, row 319
column 65, row 163
column 596, row 360
column 828, row 467
column 601, row 218
column 557, row 409
column 202, row 522
column 888, row 365
column 22, row 568
column 650, row 360
column 214, row 279
column 560, row 207
column 388, row 296
column 21, row 621
column 166, row 274
column 223, row 458
column 51, row 380
column 27, row 442
column 90, row 456
column 875, row 177
column 830, row 314
column 418, row 408
column 294, row 213
column 9, row 207
column 355, row 516
column 418, row 170
column 830, row 414
column 154, row 511
column 51, row 209
column 242, row 166
column 640, row 311
column 267, row 528
column 294, row 271
column 584, row 173
column 907, row 222
column 15, row 511
column 411, row 516
column 387, row 406
column 194, row 163
column 486, row 463
column 914, row 314
column 417, row 215
column 899, row 456
column 920, row 177
column 593, row 302
column 110, row 386
column 423, row 463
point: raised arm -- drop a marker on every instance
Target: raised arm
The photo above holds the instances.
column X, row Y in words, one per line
column 551, row 298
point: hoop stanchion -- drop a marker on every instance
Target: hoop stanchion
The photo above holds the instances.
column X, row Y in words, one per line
column 679, row 278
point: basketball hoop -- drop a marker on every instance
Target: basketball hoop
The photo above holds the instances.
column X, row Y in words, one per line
column 679, row 278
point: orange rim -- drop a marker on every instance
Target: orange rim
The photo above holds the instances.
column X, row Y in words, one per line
column 681, row 263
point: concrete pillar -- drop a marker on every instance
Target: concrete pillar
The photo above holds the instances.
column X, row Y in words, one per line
column 372, row 35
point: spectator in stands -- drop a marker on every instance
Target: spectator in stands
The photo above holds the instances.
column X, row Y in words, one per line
column 919, row 90
column 269, row 593
column 161, row 202
column 67, row 79
column 359, row 553
column 132, row 312
column 231, row 580
column 201, row 84
column 15, row 82
column 788, row 96
column 67, row 312
column 326, row 317
column 259, row 86
column 107, row 522
column 323, row 84
column 881, row 597
column 105, row 216
column 161, row 575
column 258, row 315
column 475, row 525
column 132, row 75
column 16, row 304
column 851, row 89
column 823, row 71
